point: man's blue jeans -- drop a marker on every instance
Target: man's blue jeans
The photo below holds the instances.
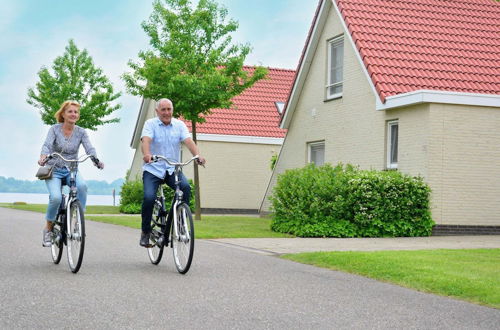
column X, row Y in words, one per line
column 60, row 176
column 151, row 184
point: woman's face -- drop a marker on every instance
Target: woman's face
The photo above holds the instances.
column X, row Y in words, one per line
column 71, row 114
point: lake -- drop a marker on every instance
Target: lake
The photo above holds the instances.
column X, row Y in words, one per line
column 44, row 198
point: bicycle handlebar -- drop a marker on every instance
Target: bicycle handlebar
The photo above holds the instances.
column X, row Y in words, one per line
column 156, row 158
column 94, row 159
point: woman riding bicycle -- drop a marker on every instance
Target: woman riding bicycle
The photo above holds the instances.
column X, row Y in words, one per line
column 64, row 138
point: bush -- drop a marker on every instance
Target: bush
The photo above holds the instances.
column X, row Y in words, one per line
column 132, row 193
column 344, row 201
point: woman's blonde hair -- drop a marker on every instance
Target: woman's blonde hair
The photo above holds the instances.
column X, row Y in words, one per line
column 64, row 106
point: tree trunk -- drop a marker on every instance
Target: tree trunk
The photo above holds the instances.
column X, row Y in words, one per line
column 197, row 205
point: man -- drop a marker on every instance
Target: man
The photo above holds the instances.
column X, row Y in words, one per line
column 162, row 136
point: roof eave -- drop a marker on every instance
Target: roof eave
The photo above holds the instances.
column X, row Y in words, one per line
column 435, row 96
column 141, row 118
column 305, row 62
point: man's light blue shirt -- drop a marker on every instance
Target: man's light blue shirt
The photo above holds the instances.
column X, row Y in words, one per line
column 165, row 141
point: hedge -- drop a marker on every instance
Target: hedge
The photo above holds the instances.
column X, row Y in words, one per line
column 344, row 201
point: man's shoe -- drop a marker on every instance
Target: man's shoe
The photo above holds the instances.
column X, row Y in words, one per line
column 46, row 238
column 144, row 240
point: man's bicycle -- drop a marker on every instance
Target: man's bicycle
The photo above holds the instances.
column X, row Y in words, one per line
column 176, row 224
column 69, row 226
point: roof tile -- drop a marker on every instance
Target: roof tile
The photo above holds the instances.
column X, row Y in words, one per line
column 253, row 112
column 427, row 44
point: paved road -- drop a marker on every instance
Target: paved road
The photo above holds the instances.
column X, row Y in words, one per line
column 226, row 288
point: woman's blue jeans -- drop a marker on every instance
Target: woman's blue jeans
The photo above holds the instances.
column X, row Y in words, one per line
column 60, row 176
column 151, row 184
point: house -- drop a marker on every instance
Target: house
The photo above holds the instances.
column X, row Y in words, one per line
column 412, row 86
column 238, row 144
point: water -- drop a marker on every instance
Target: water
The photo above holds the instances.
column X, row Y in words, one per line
column 44, row 198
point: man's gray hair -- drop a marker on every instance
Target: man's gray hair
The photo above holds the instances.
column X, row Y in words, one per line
column 157, row 105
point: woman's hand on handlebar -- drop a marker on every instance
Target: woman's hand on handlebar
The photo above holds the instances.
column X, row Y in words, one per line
column 43, row 159
column 97, row 163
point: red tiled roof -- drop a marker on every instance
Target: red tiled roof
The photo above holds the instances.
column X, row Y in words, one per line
column 446, row 45
column 253, row 112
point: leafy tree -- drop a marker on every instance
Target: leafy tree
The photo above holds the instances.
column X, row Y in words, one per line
column 192, row 62
column 75, row 78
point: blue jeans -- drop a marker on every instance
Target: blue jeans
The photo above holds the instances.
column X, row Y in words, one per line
column 60, row 176
column 151, row 184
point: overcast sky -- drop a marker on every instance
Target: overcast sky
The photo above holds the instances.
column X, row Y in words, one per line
column 34, row 32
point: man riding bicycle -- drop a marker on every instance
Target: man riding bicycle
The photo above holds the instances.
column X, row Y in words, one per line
column 162, row 136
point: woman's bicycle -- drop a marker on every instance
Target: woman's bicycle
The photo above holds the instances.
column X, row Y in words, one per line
column 69, row 226
column 176, row 225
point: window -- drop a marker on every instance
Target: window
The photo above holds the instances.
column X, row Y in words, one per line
column 316, row 153
column 392, row 144
column 335, row 68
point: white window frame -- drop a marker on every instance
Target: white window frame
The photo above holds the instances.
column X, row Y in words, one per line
column 390, row 164
column 310, row 145
column 333, row 43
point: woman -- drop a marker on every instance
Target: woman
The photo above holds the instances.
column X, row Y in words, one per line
column 64, row 138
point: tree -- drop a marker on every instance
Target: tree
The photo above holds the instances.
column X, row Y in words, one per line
column 192, row 62
column 75, row 78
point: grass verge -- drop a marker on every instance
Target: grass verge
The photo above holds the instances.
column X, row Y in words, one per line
column 91, row 209
column 210, row 226
column 471, row 275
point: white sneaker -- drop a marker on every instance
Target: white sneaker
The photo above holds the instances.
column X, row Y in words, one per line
column 47, row 238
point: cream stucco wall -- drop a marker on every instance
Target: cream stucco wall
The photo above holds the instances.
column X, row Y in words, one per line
column 236, row 174
column 464, row 164
column 455, row 148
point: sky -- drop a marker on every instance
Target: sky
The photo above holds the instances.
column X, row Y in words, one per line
column 34, row 32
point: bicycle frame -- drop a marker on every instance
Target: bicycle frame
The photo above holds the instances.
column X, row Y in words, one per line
column 177, row 196
column 72, row 196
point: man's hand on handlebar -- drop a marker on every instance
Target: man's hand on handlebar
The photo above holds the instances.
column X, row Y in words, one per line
column 148, row 158
column 201, row 161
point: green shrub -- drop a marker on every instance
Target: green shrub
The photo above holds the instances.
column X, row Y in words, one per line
column 19, row 203
column 132, row 193
column 344, row 201
column 133, row 208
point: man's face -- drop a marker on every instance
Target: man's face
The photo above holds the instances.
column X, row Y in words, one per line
column 164, row 111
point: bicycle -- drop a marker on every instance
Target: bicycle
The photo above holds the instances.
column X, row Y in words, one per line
column 69, row 226
column 177, row 224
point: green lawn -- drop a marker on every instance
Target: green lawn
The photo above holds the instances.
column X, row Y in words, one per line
column 210, row 226
column 471, row 275
column 91, row 209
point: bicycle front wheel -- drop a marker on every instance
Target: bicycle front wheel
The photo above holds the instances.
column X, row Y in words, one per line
column 182, row 234
column 76, row 236
column 57, row 243
column 156, row 239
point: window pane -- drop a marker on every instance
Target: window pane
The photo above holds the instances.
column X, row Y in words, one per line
column 335, row 67
column 317, row 154
column 335, row 89
column 394, row 144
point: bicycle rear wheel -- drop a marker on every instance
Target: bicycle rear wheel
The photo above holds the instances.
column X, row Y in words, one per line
column 155, row 252
column 182, row 234
column 57, row 243
column 76, row 236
